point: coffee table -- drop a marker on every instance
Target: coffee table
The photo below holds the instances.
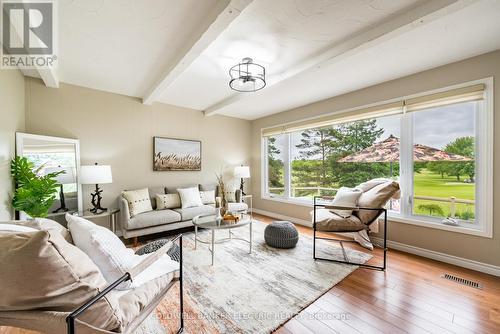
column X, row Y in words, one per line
column 211, row 222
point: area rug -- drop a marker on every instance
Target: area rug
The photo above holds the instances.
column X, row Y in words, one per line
column 250, row 293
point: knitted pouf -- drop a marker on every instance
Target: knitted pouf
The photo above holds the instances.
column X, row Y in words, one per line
column 281, row 234
column 153, row 246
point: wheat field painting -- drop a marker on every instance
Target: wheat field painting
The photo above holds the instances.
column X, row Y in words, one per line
column 172, row 154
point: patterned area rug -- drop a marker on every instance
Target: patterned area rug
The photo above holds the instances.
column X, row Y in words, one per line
column 249, row 293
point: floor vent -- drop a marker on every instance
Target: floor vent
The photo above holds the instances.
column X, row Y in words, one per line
column 463, row 281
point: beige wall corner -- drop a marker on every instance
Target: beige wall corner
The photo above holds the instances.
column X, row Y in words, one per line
column 118, row 130
column 480, row 249
column 12, row 119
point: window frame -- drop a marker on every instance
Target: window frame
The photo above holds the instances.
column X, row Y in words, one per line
column 484, row 166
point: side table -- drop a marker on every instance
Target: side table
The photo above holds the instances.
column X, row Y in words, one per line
column 110, row 213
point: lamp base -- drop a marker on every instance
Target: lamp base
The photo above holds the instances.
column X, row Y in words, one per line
column 242, row 183
column 96, row 201
column 62, row 201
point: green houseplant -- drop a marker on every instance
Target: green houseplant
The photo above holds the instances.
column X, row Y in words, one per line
column 34, row 193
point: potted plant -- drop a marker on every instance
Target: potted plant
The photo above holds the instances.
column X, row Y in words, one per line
column 34, row 193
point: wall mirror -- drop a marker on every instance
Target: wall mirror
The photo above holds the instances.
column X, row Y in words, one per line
column 55, row 154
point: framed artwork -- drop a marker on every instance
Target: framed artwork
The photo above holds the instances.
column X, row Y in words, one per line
column 171, row 154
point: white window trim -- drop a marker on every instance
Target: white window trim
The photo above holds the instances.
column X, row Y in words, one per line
column 484, row 153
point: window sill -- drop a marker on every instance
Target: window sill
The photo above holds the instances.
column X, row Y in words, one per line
column 400, row 219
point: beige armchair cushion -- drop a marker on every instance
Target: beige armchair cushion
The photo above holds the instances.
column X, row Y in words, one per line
column 40, row 270
column 327, row 221
column 376, row 197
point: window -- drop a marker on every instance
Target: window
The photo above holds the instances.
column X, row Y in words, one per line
column 437, row 146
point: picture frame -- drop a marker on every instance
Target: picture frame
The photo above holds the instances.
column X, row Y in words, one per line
column 175, row 154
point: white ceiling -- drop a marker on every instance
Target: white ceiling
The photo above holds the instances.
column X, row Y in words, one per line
column 312, row 49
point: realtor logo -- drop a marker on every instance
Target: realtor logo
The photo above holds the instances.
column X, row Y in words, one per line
column 27, row 34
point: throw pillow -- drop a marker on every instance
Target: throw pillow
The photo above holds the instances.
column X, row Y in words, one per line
column 207, row 197
column 168, row 201
column 45, row 224
column 346, row 197
column 231, row 196
column 112, row 257
column 376, row 197
column 138, row 201
column 55, row 276
column 190, row 197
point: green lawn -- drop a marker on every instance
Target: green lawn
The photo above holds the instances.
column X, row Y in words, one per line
column 431, row 184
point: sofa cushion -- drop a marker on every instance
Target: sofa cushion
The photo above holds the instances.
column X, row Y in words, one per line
column 376, row 197
column 154, row 218
column 233, row 207
column 168, row 201
column 41, row 270
column 138, row 201
column 331, row 222
column 190, row 213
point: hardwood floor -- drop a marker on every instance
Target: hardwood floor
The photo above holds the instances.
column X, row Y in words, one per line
column 409, row 297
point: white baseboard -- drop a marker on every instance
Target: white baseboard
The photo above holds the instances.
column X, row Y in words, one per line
column 451, row 259
column 294, row 220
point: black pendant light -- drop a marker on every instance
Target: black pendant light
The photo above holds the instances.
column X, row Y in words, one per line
column 247, row 76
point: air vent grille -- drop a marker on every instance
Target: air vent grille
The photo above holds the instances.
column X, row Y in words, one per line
column 462, row 281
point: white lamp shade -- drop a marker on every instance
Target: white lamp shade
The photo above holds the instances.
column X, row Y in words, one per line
column 67, row 177
column 96, row 174
column 242, row 172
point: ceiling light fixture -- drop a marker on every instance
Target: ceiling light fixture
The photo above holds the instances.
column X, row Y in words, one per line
column 247, row 76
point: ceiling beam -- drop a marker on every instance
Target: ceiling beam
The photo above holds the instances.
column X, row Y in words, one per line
column 221, row 17
column 395, row 26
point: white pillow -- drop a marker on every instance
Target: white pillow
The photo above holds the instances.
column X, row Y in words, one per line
column 168, row 201
column 111, row 256
column 138, row 201
column 231, row 196
column 346, row 197
column 190, row 197
column 207, row 197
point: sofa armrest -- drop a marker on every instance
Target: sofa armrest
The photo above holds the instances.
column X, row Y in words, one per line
column 124, row 212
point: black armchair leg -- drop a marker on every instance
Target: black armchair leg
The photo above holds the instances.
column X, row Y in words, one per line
column 181, row 289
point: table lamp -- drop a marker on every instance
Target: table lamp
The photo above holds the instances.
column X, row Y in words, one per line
column 66, row 177
column 242, row 172
column 96, row 174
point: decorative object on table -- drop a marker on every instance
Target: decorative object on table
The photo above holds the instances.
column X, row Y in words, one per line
column 230, row 218
column 247, row 76
column 67, row 176
column 172, row 154
column 222, row 204
column 34, row 194
column 242, row 172
column 450, row 221
column 281, row 234
column 96, row 174
column 153, row 246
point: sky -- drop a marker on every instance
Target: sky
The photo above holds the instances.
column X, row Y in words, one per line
column 432, row 127
column 179, row 147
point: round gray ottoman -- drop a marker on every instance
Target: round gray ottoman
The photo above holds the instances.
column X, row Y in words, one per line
column 281, row 234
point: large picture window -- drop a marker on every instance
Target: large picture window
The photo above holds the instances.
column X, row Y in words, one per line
column 436, row 148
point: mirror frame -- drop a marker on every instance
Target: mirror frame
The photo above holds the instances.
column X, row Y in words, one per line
column 20, row 137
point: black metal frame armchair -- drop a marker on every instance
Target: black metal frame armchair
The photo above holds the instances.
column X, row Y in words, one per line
column 72, row 318
column 324, row 205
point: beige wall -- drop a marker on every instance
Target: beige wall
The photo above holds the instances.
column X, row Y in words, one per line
column 476, row 248
column 118, row 130
column 11, row 120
